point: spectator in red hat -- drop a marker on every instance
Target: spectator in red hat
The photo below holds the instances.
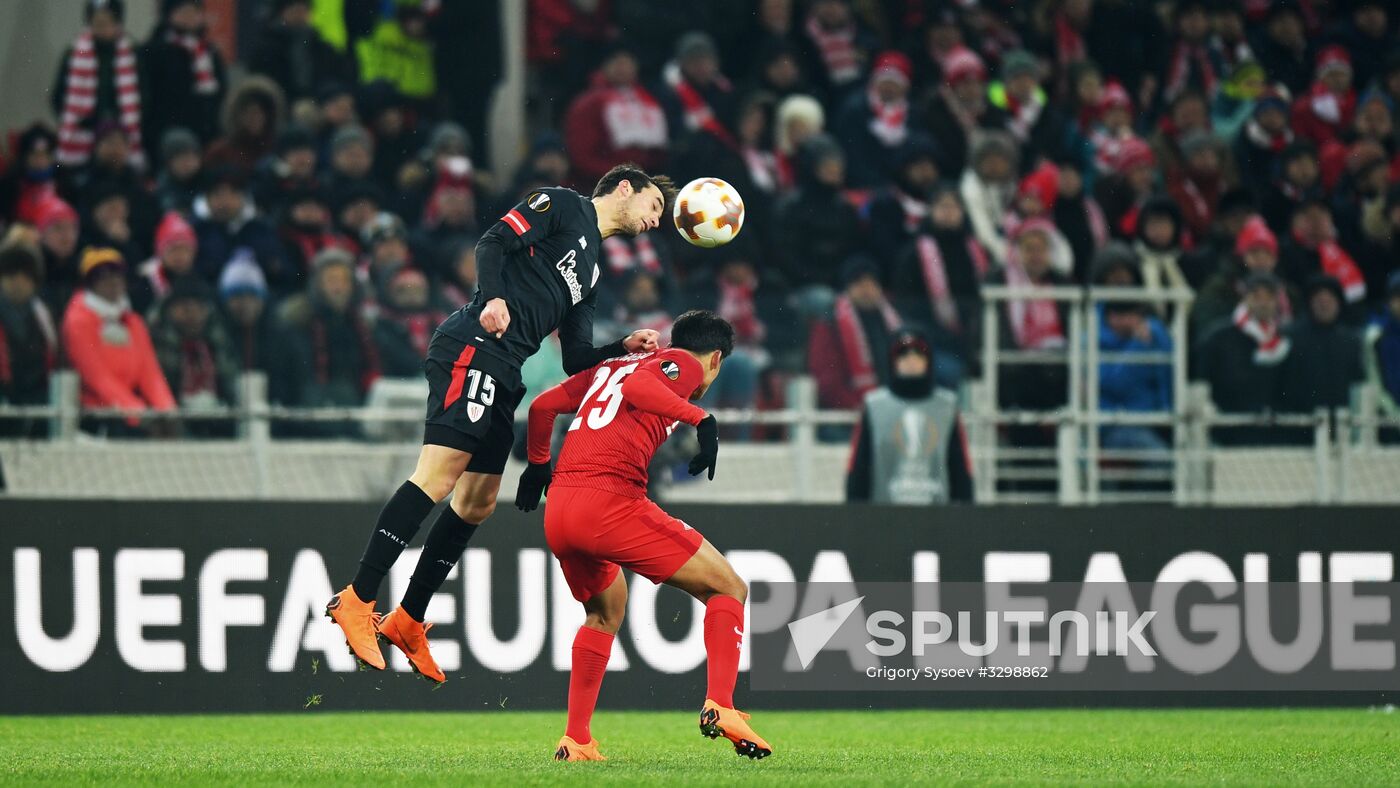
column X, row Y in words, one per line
column 176, row 246
column 1112, row 126
column 58, row 227
column 1326, row 110
column 1255, row 252
column 957, row 109
column 450, row 217
column 1035, row 200
column 872, row 127
column 110, row 348
column 1132, row 174
column 616, row 120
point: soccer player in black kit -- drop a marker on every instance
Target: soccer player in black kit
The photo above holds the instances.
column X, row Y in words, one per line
column 537, row 269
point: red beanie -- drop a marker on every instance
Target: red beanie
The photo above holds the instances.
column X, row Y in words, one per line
column 894, row 64
column 1043, row 182
column 1330, row 57
column 1115, row 95
column 173, row 229
column 1133, row 152
column 962, row 63
column 53, row 210
column 1255, row 234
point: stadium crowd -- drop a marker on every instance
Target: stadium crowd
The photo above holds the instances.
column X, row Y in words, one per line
column 312, row 211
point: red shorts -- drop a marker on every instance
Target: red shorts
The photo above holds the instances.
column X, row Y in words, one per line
column 593, row 532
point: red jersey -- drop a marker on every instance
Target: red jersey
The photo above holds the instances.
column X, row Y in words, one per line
column 625, row 408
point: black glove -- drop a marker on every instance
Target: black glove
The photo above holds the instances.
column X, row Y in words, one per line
column 707, row 432
column 533, row 483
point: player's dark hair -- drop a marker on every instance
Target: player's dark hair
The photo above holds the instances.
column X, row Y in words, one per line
column 703, row 331
column 640, row 180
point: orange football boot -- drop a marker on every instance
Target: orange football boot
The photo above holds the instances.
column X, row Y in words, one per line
column 570, row 750
column 717, row 721
column 411, row 637
column 355, row 617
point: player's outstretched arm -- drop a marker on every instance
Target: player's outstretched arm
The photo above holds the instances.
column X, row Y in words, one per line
column 576, row 339
column 563, row 398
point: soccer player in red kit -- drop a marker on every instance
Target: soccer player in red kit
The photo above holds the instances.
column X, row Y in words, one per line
column 598, row 518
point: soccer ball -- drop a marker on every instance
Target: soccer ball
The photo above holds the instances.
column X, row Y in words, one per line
column 708, row 212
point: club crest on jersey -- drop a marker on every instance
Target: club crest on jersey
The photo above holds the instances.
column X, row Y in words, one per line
column 538, row 202
column 671, row 369
column 475, row 411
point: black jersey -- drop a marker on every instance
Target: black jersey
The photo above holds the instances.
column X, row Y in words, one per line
column 542, row 258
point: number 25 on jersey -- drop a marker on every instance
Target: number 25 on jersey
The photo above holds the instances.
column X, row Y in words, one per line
column 604, row 398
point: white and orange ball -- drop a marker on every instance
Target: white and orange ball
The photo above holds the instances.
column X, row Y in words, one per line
column 708, row 212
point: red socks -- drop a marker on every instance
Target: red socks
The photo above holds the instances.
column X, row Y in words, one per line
column 724, row 630
column 592, row 648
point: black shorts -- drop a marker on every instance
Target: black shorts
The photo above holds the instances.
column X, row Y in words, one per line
column 472, row 397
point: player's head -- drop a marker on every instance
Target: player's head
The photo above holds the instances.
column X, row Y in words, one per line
column 633, row 200
column 708, row 337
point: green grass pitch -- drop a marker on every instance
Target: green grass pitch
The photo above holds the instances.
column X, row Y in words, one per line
column 1255, row 747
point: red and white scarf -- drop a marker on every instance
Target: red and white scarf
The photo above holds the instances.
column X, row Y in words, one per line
column 1337, row 264
column 855, row 346
column 198, row 374
column 913, row 208
column 75, row 138
column 1261, row 138
column 765, row 169
column 1024, row 114
column 1329, row 107
column 634, row 254
column 698, row 114
column 205, row 82
column 935, row 271
column 1272, row 344
column 736, row 305
column 838, row 51
column 1069, row 43
column 1179, row 72
column 634, row 119
column 888, row 120
column 1035, row 324
column 1098, row 223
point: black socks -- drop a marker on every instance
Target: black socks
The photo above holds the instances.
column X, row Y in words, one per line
column 446, row 541
column 398, row 521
